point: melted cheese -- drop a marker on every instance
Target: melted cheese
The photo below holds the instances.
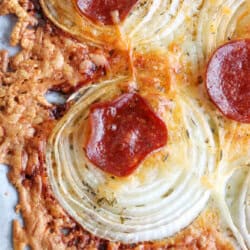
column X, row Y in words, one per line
column 206, row 153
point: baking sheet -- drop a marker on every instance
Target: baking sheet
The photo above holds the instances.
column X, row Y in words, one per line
column 8, row 196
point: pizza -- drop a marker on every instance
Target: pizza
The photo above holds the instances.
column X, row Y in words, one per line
column 149, row 148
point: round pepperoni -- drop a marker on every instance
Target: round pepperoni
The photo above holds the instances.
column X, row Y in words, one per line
column 123, row 133
column 228, row 80
column 106, row 12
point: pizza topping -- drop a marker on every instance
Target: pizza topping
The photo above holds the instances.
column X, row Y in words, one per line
column 106, row 12
column 228, row 80
column 123, row 133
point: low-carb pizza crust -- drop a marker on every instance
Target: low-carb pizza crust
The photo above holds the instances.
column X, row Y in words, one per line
column 52, row 60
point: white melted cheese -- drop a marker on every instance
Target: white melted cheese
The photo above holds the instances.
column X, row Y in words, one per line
column 203, row 161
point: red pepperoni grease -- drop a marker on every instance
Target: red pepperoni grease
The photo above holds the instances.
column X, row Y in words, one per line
column 228, row 80
column 101, row 11
column 123, row 133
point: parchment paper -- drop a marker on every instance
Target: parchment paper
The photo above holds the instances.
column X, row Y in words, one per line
column 8, row 195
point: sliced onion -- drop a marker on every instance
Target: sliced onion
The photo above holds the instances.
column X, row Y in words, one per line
column 238, row 201
column 130, row 209
column 158, row 22
column 64, row 14
column 152, row 23
column 217, row 24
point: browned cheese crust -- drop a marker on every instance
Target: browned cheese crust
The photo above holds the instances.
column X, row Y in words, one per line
column 49, row 60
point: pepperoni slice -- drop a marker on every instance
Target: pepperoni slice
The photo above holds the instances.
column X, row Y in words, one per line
column 228, row 80
column 106, row 12
column 123, row 133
